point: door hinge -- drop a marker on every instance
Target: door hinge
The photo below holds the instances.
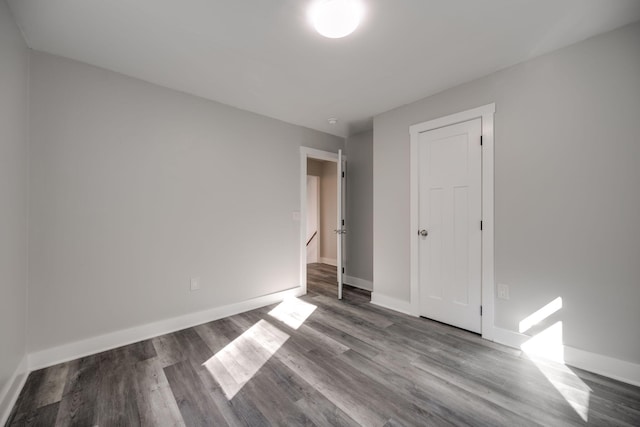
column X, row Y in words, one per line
column 343, row 222
column 480, row 139
column 342, row 270
column 343, row 174
column 480, row 310
column 480, row 225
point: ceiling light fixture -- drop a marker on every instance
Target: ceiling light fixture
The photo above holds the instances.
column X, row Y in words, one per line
column 336, row 18
column 332, row 120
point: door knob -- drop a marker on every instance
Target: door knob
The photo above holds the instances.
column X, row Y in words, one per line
column 423, row 233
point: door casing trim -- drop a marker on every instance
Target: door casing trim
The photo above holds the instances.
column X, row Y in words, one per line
column 486, row 114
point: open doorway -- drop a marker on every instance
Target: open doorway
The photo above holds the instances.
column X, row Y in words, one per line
column 322, row 224
column 322, row 218
column 322, row 212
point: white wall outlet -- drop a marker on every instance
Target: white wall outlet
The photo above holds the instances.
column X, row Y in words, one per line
column 195, row 283
column 503, row 291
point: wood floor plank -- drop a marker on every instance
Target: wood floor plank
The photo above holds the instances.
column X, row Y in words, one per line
column 239, row 410
column 197, row 408
column 194, row 347
column 116, row 404
column 155, row 400
column 179, row 346
column 305, row 336
column 524, row 403
column 236, row 413
column 439, row 396
column 378, row 320
column 344, row 338
column 125, row 356
column 168, row 350
column 324, row 362
column 52, row 386
column 44, row 416
column 322, row 412
column 26, row 403
column 77, row 407
column 246, row 412
column 344, row 379
column 276, row 406
column 357, row 329
column 305, row 332
column 212, row 336
column 301, row 362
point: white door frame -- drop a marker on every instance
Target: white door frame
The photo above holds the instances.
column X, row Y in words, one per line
column 305, row 154
column 341, row 218
column 485, row 113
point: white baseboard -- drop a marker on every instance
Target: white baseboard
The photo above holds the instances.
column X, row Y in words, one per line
column 10, row 392
column 391, row 303
column 617, row 369
column 74, row 350
column 329, row 261
column 357, row 282
column 508, row 337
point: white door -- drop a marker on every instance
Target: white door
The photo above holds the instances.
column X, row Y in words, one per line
column 449, row 235
column 341, row 231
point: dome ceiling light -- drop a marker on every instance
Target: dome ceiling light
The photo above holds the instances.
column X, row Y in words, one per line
column 336, row 18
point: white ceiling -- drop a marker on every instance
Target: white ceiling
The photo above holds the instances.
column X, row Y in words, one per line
column 264, row 56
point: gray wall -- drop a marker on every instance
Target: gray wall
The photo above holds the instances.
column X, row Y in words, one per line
column 359, row 150
column 136, row 188
column 13, row 198
column 567, row 198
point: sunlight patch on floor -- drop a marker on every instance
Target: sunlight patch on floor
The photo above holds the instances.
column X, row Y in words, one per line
column 574, row 391
column 546, row 350
column 293, row 312
column 235, row 365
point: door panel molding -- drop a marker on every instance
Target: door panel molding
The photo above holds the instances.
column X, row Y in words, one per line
column 486, row 115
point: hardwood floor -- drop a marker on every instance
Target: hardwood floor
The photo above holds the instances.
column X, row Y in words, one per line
column 320, row 361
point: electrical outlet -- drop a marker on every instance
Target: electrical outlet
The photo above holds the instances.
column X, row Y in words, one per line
column 503, row 291
column 195, row 283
